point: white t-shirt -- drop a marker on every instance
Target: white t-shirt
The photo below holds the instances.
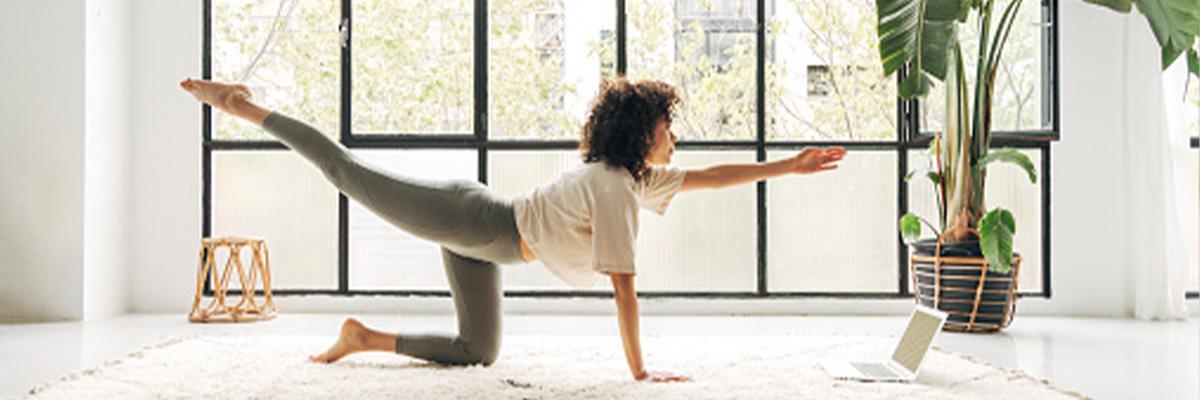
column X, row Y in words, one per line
column 586, row 222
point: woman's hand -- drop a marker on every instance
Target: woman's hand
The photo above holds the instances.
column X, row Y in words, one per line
column 812, row 159
column 659, row 376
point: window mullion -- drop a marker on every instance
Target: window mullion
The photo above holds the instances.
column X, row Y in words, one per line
column 622, row 59
column 906, row 128
column 347, row 138
column 206, row 135
column 760, row 139
column 481, row 87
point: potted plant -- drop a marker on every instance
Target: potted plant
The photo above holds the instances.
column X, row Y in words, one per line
column 969, row 269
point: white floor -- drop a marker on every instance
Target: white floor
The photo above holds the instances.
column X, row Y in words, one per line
column 1103, row 358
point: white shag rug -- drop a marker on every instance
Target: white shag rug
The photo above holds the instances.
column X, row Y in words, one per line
column 534, row 367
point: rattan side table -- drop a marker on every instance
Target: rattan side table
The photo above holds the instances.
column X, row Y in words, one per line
column 248, row 309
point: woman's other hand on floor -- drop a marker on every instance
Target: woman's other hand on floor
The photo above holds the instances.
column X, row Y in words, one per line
column 813, row 159
column 661, row 377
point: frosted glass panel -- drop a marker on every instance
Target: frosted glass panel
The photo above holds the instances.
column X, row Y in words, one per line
column 384, row 257
column 834, row 231
column 1008, row 187
column 278, row 196
column 705, row 242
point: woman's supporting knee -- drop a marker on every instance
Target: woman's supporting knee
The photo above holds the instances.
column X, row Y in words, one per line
column 485, row 352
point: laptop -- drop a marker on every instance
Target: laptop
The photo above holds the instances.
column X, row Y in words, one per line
column 923, row 327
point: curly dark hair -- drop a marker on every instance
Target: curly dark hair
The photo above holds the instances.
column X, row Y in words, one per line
column 620, row 129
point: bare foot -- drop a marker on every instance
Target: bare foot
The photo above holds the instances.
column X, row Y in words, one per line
column 351, row 341
column 216, row 94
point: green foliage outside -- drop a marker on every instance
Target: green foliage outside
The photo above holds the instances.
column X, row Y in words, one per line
column 413, row 68
column 526, row 87
column 412, row 63
column 860, row 103
column 718, row 97
column 291, row 63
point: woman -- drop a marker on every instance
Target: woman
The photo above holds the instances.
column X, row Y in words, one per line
column 580, row 226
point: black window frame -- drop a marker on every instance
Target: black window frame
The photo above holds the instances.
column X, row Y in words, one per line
column 908, row 137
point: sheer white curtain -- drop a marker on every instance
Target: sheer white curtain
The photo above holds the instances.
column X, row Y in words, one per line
column 1156, row 172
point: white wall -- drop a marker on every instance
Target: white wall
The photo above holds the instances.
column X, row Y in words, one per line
column 166, row 182
column 41, row 159
column 106, row 159
column 64, row 208
column 1089, row 270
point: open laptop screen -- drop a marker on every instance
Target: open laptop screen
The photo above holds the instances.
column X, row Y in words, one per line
column 917, row 337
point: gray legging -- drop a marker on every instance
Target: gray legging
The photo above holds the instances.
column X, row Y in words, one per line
column 475, row 228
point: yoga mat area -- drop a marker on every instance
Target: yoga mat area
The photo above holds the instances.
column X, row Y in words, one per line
column 535, row 367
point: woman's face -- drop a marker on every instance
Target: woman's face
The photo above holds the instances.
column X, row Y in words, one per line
column 663, row 146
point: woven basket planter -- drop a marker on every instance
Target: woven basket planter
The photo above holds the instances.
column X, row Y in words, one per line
column 975, row 299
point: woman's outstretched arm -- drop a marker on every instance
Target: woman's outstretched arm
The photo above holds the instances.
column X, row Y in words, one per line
column 807, row 161
column 627, row 318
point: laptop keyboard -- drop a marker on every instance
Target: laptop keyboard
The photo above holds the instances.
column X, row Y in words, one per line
column 874, row 370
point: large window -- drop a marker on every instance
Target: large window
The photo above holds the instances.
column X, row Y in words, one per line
column 1020, row 101
column 498, row 92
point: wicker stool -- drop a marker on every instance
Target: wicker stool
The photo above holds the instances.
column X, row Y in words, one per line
column 248, row 309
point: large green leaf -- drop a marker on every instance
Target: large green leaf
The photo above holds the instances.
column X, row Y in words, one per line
column 910, row 227
column 955, row 158
column 1011, row 156
column 918, row 33
column 1175, row 24
column 995, row 239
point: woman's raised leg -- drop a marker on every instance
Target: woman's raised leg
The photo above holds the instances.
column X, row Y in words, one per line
column 434, row 210
column 430, row 209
